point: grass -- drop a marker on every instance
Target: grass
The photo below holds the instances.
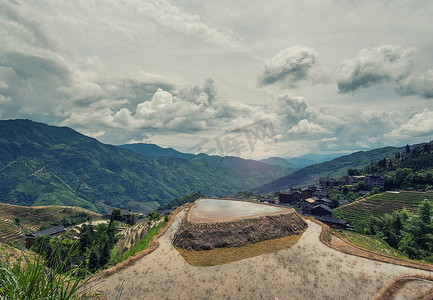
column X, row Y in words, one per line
column 138, row 247
column 370, row 242
column 28, row 278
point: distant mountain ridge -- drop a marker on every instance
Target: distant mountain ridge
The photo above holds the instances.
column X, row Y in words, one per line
column 43, row 165
column 278, row 161
column 335, row 168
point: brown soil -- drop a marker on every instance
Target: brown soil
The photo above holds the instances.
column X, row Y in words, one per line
column 222, row 256
column 331, row 239
column 207, row 236
column 308, row 270
column 408, row 287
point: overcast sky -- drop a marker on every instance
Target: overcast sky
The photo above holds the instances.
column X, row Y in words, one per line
column 249, row 78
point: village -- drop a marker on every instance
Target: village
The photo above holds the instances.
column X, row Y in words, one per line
column 315, row 200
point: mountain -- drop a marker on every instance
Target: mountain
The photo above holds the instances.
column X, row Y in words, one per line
column 228, row 163
column 44, row 165
column 335, row 168
column 278, row 161
column 153, row 150
column 310, row 159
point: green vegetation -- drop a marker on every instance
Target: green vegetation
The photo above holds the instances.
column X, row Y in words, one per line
column 16, row 221
column 359, row 212
column 331, row 169
column 182, row 200
column 411, row 234
column 75, row 219
column 44, row 165
column 142, row 245
column 92, row 252
column 27, row 279
column 370, row 242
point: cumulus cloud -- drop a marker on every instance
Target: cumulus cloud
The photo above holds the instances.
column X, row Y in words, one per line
column 289, row 66
column 373, row 66
column 305, row 127
column 387, row 64
column 420, row 125
column 420, row 84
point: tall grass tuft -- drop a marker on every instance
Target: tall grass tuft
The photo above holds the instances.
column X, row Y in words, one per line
column 27, row 278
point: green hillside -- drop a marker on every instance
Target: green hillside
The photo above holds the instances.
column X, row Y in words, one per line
column 359, row 212
column 43, row 165
column 335, row 168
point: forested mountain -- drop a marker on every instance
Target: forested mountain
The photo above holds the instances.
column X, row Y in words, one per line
column 229, row 163
column 41, row 164
column 153, row 150
column 331, row 169
column 409, row 169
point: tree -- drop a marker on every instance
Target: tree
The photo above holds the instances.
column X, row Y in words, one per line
column 93, row 261
column 425, row 211
column 407, row 148
column 131, row 219
column 17, row 222
column 154, row 216
column 116, row 214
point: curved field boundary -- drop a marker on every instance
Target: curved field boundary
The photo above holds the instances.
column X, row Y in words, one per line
column 332, row 240
column 285, row 210
column 153, row 245
column 388, row 292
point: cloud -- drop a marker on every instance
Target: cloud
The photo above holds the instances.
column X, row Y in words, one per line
column 417, row 84
column 305, row 127
column 403, row 68
column 420, row 125
column 288, row 67
column 176, row 18
column 373, row 66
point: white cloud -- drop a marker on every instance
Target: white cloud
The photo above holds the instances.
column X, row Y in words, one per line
column 5, row 99
column 305, row 127
column 289, row 66
column 420, row 125
column 403, row 68
column 374, row 66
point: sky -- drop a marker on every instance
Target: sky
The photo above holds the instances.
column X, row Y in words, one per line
column 248, row 78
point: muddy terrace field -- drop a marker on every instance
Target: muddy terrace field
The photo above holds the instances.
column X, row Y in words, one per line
column 308, row 270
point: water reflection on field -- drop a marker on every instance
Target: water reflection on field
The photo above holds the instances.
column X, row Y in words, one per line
column 214, row 210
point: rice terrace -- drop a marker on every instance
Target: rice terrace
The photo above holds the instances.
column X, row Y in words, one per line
column 308, row 264
column 359, row 212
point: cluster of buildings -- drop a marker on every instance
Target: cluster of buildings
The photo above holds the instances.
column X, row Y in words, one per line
column 375, row 180
column 314, row 200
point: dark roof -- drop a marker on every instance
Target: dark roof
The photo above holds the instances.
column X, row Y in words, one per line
column 343, row 202
column 323, row 207
column 166, row 211
column 333, row 220
column 49, row 231
column 123, row 212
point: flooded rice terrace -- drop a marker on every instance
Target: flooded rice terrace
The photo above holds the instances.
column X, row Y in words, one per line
column 218, row 210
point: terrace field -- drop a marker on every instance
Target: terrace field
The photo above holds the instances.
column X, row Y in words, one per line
column 359, row 212
column 31, row 219
column 307, row 270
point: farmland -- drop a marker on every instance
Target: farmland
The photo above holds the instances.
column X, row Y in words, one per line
column 359, row 212
column 31, row 219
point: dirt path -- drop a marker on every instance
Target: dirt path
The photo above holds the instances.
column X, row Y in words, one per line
column 308, row 270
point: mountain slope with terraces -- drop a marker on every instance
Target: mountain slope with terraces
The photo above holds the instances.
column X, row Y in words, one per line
column 31, row 219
